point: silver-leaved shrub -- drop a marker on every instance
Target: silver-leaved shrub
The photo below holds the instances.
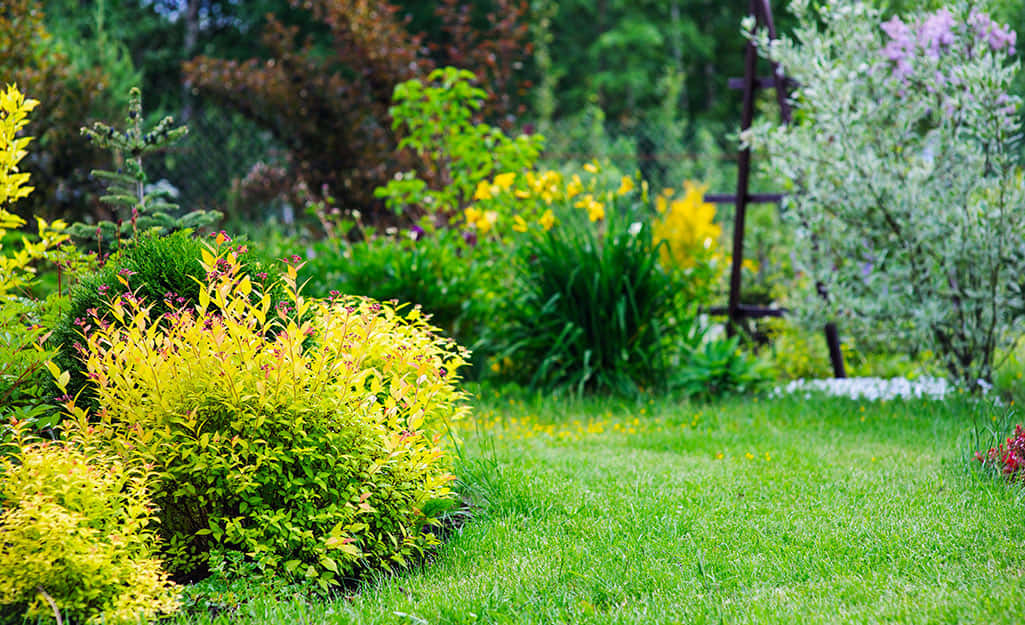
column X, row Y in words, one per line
column 906, row 193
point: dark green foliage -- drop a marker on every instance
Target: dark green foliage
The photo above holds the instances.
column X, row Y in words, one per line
column 164, row 271
column 591, row 311
column 718, row 368
column 24, row 380
column 140, row 209
column 439, row 272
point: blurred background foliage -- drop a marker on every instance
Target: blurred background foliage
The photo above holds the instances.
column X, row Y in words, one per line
column 305, row 86
column 290, row 130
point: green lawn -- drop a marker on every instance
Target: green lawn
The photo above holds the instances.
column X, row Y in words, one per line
column 753, row 511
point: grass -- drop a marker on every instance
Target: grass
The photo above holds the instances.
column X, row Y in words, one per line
column 752, row 511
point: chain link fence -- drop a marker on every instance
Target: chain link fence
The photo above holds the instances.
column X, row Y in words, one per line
column 207, row 166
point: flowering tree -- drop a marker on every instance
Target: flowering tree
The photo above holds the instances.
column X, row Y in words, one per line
column 906, row 195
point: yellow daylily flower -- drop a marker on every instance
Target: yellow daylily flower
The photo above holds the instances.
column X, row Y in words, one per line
column 483, row 191
column 591, row 168
column 472, row 215
column 487, row 221
column 504, row 181
column 519, row 224
column 574, row 187
column 626, row 185
column 547, row 220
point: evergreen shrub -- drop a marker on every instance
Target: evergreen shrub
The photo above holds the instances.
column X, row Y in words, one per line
column 306, row 434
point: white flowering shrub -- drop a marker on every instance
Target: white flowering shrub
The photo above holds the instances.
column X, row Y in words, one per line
column 904, row 189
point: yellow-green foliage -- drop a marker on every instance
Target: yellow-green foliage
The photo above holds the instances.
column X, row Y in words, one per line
column 14, row 110
column 306, row 435
column 15, row 265
column 795, row 352
column 74, row 529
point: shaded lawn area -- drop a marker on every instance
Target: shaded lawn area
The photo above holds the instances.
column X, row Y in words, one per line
column 751, row 511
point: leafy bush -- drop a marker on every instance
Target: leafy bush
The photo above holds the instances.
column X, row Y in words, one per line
column 306, row 434
column 166, row 272
column 691, row 240
column 77, row 538
column 460, row 152
column 591, row 309
column 23, row 319
column 718, row 367
column 907, row 184
column 436, row 271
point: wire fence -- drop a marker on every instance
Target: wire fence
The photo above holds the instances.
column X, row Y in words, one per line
column 222, row 147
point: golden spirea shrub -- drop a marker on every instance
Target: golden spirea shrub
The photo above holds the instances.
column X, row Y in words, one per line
column 75, row 530
column 307, row 434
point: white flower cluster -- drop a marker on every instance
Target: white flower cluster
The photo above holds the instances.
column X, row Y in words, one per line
column 872, row 389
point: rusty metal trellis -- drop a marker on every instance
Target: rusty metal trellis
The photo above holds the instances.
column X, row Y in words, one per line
column 762, row 13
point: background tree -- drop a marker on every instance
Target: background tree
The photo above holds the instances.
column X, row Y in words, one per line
column 326, row 97
column 61, row 159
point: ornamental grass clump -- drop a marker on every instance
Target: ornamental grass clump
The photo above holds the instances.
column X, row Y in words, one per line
column 907, row 191
column 306, row 434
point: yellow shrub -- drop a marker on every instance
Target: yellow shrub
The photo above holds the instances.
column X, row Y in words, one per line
column 15, row 266
column 687, row 226
column 307, row 436
column 74, row 529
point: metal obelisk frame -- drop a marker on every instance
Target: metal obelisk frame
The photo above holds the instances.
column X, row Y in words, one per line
column 749, row 83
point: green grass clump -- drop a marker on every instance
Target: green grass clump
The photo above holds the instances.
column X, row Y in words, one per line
column 752, row 511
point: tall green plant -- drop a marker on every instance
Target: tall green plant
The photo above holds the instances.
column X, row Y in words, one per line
column 907, row 192
column 127, row 193
column 591, row 310
column 459, row 152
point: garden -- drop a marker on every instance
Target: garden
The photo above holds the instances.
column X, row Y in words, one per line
column 442, row 354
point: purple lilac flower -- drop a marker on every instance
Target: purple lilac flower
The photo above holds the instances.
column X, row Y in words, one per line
column 998, row 36
column 936, row 32
column 900, row 47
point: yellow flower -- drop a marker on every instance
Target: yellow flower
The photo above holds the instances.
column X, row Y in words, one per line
column 504, row 181
column 472, row 215
column 483, row 191
column 625, row 186
column 519, row 224
column 595, row 209
column 591, row 168
column 688, row 226
column 547, row 220
column 487, row 221
column 522, row 194
column 574, row 187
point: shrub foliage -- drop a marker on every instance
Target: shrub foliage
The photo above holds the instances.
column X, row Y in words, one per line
column 306, row 434
column 76, row 532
